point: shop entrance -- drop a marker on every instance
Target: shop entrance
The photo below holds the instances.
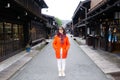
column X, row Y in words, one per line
column 114, row 39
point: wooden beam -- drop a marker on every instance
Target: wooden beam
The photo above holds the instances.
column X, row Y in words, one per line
column 108, row 7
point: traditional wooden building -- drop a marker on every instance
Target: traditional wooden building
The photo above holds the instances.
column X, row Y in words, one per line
column 68, row 27
column 78, row 19
column 21, row 23
column 104, row 25
column 51, row 25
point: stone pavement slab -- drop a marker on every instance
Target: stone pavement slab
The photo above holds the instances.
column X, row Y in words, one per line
column 105, row 65
column 13, row 64
column 8, row 62
column 10, row 70
column 108, row 62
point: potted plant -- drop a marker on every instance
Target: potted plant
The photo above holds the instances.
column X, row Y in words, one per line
column 28, row 48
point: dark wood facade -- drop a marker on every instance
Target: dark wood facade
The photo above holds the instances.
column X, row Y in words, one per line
column 17, row 19
column 103, row 25
column 68, row 27
column 51, row 25
column 105, row 22
column 79, row 16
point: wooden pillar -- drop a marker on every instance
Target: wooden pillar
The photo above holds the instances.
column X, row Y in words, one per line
column 106, row 37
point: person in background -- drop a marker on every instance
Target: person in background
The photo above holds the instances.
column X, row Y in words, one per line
column 61, row 46
column 114, row 38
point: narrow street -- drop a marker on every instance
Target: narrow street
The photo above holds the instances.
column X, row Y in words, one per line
column 27, row 28
column 44, row 66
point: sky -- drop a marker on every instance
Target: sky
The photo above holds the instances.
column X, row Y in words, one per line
column 62, row 9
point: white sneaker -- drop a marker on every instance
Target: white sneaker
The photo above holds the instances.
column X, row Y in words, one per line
column 63, row 73
column 60, row 73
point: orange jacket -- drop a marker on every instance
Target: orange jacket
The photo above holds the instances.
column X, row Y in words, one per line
column 57, row 46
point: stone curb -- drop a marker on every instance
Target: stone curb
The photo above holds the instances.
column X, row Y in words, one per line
column 11, row 70
column 8, row 72
column 103, row 65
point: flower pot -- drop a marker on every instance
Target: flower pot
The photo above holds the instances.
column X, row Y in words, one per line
column 28, row 49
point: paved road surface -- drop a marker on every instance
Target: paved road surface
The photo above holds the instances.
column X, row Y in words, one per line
column 44, row 66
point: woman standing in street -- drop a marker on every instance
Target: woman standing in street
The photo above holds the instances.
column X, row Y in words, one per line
column 61, row 45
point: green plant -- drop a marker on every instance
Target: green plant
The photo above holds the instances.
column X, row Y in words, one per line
column 59, row 22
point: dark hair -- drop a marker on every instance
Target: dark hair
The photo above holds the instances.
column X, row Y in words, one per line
column 62, row 36
column 64, row 32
